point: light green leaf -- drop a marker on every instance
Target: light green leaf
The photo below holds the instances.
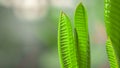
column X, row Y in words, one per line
column 74, row 51
column 111, row 54
column 66, row 45
column 81, row 26
column 112, row 20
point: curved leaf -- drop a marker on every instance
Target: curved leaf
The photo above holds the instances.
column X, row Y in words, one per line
column 112, row 15
column 111, row 55
column 66, row 45
column 81, row 26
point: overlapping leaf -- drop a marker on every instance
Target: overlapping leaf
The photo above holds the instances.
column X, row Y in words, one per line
column 81, row 26
column 112, row 20
column 111, row 54
column 66, row 43
column 74, row 50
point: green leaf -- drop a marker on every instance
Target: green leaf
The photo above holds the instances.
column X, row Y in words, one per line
column 112, row 20
column 111, row 54
column 66, row 45
column 106, row 15
column 81, row 26
column 74, row 49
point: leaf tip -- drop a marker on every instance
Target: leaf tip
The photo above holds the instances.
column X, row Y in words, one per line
column 80, row 4
column 62, row 13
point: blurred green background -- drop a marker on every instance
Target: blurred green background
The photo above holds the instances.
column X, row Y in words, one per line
column 28, row 32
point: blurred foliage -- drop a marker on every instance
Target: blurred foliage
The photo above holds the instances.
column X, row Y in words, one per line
column 25, row 44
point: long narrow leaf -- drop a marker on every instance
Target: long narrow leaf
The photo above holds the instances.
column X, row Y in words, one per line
column 81, row 26
column 111, row 54
column 66, row 43
column 112, row 20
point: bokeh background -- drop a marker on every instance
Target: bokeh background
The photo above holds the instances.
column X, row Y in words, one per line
column 28, row 32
